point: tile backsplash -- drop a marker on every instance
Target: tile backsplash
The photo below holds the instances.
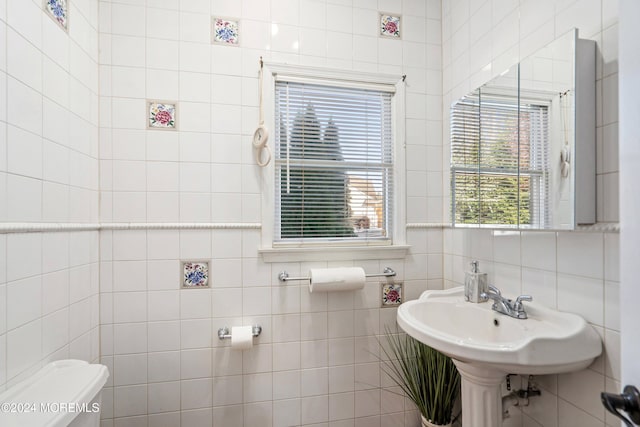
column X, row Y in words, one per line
column 576, row 272
column 391, row 294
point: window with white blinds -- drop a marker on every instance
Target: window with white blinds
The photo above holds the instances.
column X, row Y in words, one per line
column 499, row 162
column 333, row 163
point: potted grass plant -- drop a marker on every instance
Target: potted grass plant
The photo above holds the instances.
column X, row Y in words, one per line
column 426, row 376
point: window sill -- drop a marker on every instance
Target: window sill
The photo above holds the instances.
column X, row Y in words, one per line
column 333, row 253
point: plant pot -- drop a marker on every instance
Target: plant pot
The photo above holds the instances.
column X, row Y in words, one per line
column 426, row 423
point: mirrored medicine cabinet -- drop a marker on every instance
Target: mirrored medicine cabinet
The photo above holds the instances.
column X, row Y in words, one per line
column 523, row 144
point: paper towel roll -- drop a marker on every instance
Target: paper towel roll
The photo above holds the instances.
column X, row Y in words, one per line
column 241, row 337
column 336, row 279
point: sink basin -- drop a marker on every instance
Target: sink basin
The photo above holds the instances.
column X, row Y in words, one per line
column 486, row 345
column 548, row 342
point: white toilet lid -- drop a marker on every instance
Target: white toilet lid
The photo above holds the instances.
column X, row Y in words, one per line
column 54, row 395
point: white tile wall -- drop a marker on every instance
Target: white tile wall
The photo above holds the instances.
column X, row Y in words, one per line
column 314, row 348
column 570, row 271
column 48, row 172
column 313, row 362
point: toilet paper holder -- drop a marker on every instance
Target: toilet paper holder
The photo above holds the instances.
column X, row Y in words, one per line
column 387, row 272
column 225, row 333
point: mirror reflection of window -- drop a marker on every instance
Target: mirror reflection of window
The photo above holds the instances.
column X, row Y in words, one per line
column 499, row 161
column 523, row 143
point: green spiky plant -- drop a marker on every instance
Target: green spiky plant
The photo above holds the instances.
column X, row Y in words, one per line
column 426, row 376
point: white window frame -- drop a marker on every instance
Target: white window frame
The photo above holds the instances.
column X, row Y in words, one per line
column 394, row 248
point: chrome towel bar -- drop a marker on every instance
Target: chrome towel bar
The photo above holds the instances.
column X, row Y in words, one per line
column 387, row 272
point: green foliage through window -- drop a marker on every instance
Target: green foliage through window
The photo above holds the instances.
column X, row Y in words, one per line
column 334, row 163
column 314, row 200
column 498, row 169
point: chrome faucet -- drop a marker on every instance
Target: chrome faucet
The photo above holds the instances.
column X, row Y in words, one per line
column 506, row 306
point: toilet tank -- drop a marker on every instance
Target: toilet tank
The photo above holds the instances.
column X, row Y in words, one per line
column 65, row 393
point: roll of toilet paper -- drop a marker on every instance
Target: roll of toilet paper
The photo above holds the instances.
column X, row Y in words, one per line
column 241, row 337
column 336, row 279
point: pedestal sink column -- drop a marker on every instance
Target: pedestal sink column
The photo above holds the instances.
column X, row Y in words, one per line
column 481, row 395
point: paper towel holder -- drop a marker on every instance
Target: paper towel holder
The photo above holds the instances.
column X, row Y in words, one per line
column 225, row 333
column 387, row 272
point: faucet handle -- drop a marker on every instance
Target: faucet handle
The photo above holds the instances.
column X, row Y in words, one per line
column 495, row 290
column 521, row 298
column 517, row 305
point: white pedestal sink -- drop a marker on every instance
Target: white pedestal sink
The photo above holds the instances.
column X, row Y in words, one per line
column 486, row 345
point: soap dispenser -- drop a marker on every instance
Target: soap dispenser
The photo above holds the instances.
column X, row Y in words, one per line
column 475, row 283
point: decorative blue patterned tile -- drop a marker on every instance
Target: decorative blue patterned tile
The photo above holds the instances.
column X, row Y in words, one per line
column 226, row 31
column 57, row 9
column 195, row 274
column 391, row 294
column 390, row 25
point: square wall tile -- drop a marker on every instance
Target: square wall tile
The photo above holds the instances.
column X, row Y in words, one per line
column 195, row 274
column 57, row 10
column 390, row 25
column 162, row 115
column 391, row 294
column 286, row 412
column 226, row 31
